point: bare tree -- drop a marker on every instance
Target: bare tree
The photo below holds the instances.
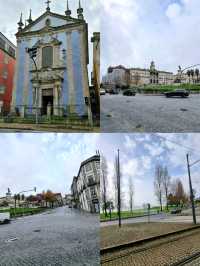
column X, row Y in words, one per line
column 166, row 179
column 115, row 184
column 131, row 193
column 104, row 183
column 158, row 187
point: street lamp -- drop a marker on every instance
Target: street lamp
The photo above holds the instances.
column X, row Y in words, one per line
column 24, row 191
column 33, row 54
column 118, row 189
column 191, row 189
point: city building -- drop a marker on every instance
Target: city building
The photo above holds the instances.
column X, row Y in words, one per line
column 68, row 199
column 86, row 186
column 7, row 69
column 74, row 191
column 58, row 200
column 122, row 76
column 60, row 84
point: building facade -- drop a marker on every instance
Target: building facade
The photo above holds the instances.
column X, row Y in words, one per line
column 7, row 68
column 122, row 76
column 86, row 186
column 60, row 85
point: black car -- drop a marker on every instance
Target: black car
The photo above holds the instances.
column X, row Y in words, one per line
column 129, row 92
column 178, row 93
column 176, row 211
column 113, row 91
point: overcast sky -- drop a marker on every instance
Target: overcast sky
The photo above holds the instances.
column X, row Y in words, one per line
column 135, row 32
column 11, row 10
column 47, row 161
column 139, row 154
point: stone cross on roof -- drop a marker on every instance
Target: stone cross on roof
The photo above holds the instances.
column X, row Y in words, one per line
column 48, row 2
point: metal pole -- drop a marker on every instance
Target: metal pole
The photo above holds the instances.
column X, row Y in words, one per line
column 191, row 191
column 36, row 114
column 119, row 196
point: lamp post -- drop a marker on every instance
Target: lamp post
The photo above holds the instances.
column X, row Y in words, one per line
column 33, row 54
column 34, row 189
column 119, row 189
column 191, row 189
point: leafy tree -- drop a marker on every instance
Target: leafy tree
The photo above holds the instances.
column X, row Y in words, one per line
column 197, row 74
column 50, row 197
column 189, row 74
column 192, row 74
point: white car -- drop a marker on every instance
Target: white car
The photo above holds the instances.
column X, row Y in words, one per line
column 102, row 91
column 4, row 217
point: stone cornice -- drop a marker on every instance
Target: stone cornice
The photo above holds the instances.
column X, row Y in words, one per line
column 48, row 29
column 48, row 13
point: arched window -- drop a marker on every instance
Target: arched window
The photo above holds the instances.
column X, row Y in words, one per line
column 47, row 56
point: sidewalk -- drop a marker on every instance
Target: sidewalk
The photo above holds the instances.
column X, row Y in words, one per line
column 46, row 128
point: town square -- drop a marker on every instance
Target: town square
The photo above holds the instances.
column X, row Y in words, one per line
column 49, row 200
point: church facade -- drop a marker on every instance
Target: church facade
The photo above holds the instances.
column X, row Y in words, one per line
column 57, row 84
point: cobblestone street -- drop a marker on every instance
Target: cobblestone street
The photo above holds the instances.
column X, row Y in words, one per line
column 143, row 113
column 161, row 252
column 62, row 236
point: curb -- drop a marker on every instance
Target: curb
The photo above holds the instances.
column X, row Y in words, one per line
column 126, row 218
column 112, row 249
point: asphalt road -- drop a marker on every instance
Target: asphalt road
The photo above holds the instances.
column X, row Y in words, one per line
column 150, row 113
column 59, row 237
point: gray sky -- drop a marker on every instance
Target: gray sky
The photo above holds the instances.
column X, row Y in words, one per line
column 135, row 32
column 47, row 161
column 139, row 154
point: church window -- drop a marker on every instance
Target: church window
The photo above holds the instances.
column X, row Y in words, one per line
column 2, row 44
column 2, row 88
column 88, row 167
column 11, row 51
column 6, row 59
column 47, row 56
column 48, row 22
column 5, row 74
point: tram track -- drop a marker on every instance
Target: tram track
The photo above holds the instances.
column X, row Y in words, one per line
column 120, row 252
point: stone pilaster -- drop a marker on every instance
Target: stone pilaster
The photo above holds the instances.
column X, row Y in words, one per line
column 72, row 98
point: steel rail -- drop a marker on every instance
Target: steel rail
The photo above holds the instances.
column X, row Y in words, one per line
column 138, row 243
column 187, row 260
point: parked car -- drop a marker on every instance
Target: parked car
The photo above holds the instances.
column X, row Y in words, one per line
column 4, row 218
column 179, row 92
column 175, row 211
column 113, row 91
column 102, row 91
column 129, row 92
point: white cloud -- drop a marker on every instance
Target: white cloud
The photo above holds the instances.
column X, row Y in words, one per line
column 129, row 142
column 173, row 11
column 47, row 161
column 138, row 31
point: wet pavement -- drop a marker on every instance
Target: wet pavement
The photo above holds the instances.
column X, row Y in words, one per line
column 62, row 236
column 150, row 113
